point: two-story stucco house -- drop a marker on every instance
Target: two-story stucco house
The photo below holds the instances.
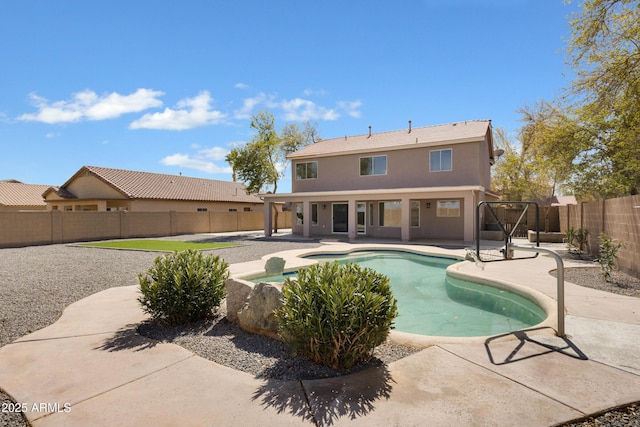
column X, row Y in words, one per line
column 421, row 183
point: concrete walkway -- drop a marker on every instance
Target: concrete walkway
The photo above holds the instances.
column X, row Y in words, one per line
column 91, row 368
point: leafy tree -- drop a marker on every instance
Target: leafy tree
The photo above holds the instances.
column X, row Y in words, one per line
column 524, row 172
column 255, row 163
column 605, row 52
column 594, row 139
column 261, row 162
column 516, row 175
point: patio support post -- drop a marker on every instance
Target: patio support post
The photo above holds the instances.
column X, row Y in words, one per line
column 352, row 214
column 405, row 208
column 306, row 218
column 469, row 212
column 267, row 218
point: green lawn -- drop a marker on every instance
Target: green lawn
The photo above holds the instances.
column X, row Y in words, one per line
column 159, row 245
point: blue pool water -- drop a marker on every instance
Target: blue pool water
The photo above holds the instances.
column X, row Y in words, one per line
column 430, row 303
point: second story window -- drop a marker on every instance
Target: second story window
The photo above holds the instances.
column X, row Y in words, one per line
column 440, row 160
column 376, row 165
column 307, row 170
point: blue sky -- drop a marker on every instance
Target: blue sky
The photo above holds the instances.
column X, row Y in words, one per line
column 169, row 87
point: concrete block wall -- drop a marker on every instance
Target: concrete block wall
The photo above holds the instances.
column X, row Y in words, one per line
column 618, row 218
column 49, row 227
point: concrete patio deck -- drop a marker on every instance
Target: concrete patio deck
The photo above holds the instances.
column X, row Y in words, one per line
column 92, row 368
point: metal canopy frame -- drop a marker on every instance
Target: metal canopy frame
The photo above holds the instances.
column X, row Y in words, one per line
column 508, row 236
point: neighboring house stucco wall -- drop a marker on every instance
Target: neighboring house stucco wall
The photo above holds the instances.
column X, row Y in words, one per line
column 88, row 186
column 190, row 206
column 151, row 206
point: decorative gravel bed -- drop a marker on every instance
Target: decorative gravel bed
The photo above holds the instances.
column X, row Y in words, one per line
column 37, row 283
column 227, row 344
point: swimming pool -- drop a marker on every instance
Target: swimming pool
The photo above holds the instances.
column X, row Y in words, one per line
column 430, row 303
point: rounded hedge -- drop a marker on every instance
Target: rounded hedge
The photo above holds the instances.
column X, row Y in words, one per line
column 336, row 315
column 183, row 286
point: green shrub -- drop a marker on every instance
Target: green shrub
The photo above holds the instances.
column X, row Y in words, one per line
column 183, row 287
column 569, row 238
column 608, row 255
column 577, row 240
column 335, row 315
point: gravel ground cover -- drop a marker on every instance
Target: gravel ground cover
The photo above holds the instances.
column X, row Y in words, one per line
column 37, row 283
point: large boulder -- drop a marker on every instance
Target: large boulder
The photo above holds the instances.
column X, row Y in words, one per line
column 274, row 265
column 257, row 316
column 237, row 293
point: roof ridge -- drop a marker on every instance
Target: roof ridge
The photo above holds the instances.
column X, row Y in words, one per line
column 413, row 128
column 93, row 168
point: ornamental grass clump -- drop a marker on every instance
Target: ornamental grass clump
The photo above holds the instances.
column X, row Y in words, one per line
column 183, row 286
column 336, row 315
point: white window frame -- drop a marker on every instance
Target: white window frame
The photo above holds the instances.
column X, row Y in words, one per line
column 439, row 153
column 373, row 165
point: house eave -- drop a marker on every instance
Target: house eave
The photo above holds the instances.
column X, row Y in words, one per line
column 389, row 192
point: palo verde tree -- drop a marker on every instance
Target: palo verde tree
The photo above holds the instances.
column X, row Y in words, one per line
column 261, row 162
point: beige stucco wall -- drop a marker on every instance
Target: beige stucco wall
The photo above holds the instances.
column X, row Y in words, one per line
column 88, row 186
column 431, row 226
column 190, row 206
column 406, row 168
column 150, row 205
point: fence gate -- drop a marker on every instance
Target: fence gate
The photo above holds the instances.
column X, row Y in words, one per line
column 515, row 228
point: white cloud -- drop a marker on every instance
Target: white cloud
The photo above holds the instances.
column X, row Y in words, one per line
column 241, row 86
column 249, row 105
column 189, row 113
column 203, row 160
column 311, row 92
column 297, row 109
column 87, row 105
column 351, row 108
column 115, row 105
column 213, row 153
column 189, row 162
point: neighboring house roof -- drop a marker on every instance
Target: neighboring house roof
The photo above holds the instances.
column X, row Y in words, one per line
column 18, row 195
column 430, row 135
column 61, row 192
column 559, row 201
column 147, row 185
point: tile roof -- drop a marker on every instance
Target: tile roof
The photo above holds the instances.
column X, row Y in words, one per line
column 147, row 185
column 399, row 139
column 16, row 194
